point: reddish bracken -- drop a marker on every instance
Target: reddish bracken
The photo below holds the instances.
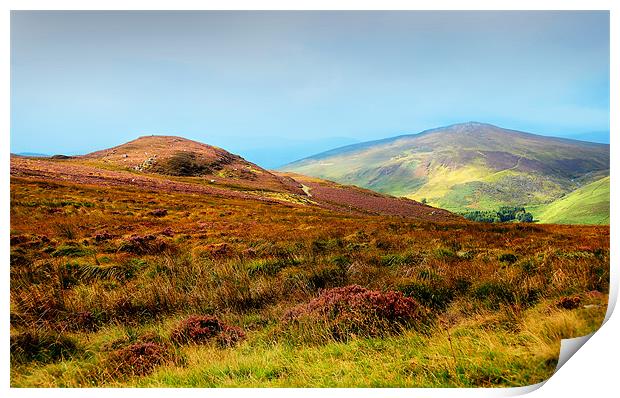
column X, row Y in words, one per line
column 103, row 236
column 17, row 239
column 143, row 244
column 167, row 232
column 249, row 252
column 354, row 199
column 569, row 303
column 218, row 249
column 137, row 359
column 200, row 329
column 85, row 320
column 230, row 336
column 357, row 310
column 159, row 212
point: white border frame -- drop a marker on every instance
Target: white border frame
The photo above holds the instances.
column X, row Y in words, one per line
column 592, row 371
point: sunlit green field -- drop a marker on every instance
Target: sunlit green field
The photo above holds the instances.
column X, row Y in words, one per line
column 586, row 205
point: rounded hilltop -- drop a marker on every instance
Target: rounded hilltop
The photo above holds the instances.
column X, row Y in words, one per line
column 181, row 157
column 178, row 156
column 150, row 150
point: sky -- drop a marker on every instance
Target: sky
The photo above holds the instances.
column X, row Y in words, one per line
column 275, row 87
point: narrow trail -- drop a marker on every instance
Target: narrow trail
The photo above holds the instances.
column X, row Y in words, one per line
column 306, row 190
column 516, row 165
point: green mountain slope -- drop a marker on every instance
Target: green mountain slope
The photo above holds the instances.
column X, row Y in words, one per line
column 465, row 166
column 586, row 205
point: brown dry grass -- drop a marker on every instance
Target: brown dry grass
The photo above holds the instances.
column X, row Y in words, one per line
column 89, row 260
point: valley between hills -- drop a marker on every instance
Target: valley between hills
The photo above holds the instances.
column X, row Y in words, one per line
column 478, row 167
column 165, row 262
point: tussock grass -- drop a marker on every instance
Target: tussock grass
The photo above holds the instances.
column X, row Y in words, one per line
column 483, row 353
column 125, row 280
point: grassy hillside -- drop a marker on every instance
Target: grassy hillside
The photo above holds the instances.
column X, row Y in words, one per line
column 267, row 187
column 138, row 278
column 586, row 205
column 471, row 166
column 180, row 157
column 108, row 281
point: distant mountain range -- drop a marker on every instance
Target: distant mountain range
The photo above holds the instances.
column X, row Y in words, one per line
column 475, row 166
column 462, row 167
column 33, row 154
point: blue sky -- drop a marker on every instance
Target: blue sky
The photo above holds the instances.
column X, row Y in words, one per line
column 278, row 86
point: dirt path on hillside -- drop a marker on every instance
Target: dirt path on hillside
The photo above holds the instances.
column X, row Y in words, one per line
column 306, row 190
